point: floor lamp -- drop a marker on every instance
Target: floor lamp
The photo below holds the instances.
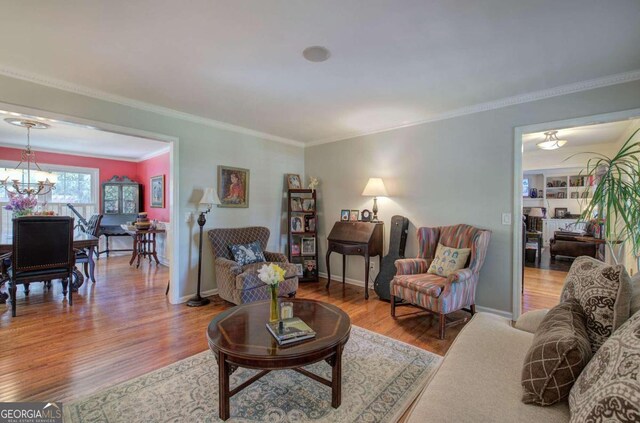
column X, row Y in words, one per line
column 209, row 198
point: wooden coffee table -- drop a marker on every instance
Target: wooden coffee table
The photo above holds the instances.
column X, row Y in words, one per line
column 239, row 338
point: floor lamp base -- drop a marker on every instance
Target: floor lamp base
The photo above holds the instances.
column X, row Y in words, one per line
column 198, row 301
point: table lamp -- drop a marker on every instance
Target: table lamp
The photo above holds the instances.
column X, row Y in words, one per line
column 375, row 188
column 536, row 212
column 209, row 198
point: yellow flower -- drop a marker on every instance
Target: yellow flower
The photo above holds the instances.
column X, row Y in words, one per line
column 279, row 272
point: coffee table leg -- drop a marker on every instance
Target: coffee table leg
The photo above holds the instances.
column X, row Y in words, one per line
column 223, row 386
column 336, row 379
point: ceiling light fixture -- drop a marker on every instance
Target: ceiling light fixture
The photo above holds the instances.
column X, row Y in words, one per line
column 25, row 180
column 551, row 141
column 316, row 53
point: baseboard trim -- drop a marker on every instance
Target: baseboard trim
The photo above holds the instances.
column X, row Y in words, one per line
column 338, row 279
column 500, row 313
column 207, row 293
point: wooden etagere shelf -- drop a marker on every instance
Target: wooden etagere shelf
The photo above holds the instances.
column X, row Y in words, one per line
column 302, row 246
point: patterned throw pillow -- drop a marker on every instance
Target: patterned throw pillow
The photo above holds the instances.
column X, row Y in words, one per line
column 244, row 254
column 558, row 353
column 609, row 387
column 603, row 291
column 448, row 260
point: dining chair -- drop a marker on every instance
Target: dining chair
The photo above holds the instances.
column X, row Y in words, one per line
column 82, row 255
column 42, row 250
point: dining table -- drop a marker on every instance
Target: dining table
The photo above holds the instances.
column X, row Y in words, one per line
column 81, row 240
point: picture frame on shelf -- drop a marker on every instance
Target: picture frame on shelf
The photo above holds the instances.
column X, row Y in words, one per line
column 295, row 249
column 344, row 215
column 365, row 215
column 297, row 224
column 157, row 192
column 299, row 269
column 308, row 205
column 309, row 223
column 296, row 204
column 310, row 269
column 293, row 181
column 560, row 212
column 354, row 215
column 575, row 194
column 233, row 187
column 308, row 246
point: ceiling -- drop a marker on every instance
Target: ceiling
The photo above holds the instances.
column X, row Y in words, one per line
column 392, row 62
column 583, row 136
column 63, row 137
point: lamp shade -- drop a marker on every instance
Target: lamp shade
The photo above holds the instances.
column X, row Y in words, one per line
column 210, row 196
column 536, row 212
column 375, row 188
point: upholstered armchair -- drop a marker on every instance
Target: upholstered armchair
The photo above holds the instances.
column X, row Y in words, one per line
column 436, row 294
column 240, row 284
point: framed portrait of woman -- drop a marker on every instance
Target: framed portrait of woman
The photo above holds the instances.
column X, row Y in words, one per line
column 233, row 186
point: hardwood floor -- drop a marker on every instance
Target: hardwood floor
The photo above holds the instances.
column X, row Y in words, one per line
column 123, row 326
column 542, row 288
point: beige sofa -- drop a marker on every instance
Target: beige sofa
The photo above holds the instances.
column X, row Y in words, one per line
column 479, row 378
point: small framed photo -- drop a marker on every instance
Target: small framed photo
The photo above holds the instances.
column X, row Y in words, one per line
column 157, row 191
column 309, row 205
column 296, row 204
column 575, row 194
column 309, row 246
column 310, row 268
column 354, row 215
column 295, row 249
column 296, row 224
column 309, row 223
column 299, row 269
column 344, row 215
column 560, row 212
column 293, row 181
column 365, row 215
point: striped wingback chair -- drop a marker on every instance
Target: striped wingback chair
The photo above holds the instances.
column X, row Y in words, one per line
column 240, row 284
column 412, row 285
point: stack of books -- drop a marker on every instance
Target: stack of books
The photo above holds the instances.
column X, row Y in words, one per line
column 288, row 331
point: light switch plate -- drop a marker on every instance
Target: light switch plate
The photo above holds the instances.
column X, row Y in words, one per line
column 188, row 217
column 506, row 218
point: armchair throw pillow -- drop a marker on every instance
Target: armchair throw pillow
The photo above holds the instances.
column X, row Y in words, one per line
column 604, row 293
column 244, row 254
column 447, row 260
column 558, row 353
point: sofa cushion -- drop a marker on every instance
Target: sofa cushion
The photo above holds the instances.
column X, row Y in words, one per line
column 609, row 387
column 604, row 293
column 479, row 379
column 634, row 307
column 530, row 320
column 447, row 260
column 425, row 283
column 559, row 352
column 247, row 253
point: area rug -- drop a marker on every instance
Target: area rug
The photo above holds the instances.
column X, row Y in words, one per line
column 380, row 379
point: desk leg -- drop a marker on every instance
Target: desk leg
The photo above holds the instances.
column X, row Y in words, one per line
column 367, row 261
column 223, row 386
column 153, row 246
column 92, row 265
column 328, row 269
column 134, row 253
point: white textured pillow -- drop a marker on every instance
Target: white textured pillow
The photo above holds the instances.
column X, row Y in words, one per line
column 447, row 260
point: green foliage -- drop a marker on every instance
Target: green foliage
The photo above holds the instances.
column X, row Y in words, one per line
column 616, row 198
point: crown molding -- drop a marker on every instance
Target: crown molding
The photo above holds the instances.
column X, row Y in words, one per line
column 94, row 156
column 157, row 153
column 501, row 103
column 164, row 111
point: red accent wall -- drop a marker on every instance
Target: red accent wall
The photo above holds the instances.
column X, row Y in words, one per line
column 140, row 172
column 155, row 166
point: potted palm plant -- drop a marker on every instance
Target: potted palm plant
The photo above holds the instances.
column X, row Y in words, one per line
column 616, row 198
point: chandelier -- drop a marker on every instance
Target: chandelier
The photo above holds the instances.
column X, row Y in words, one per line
column 27, row 178
column 551, row 141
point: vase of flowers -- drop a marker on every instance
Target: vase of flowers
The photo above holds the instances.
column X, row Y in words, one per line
column 21, row 205
column 272, row 275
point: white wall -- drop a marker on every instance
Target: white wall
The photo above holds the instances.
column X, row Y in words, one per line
column 458, row 170
column 201, row 149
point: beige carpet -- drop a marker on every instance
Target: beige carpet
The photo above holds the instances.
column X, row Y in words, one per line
column 381, row 378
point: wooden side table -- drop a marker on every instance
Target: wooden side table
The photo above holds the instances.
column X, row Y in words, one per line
column 144, row 245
